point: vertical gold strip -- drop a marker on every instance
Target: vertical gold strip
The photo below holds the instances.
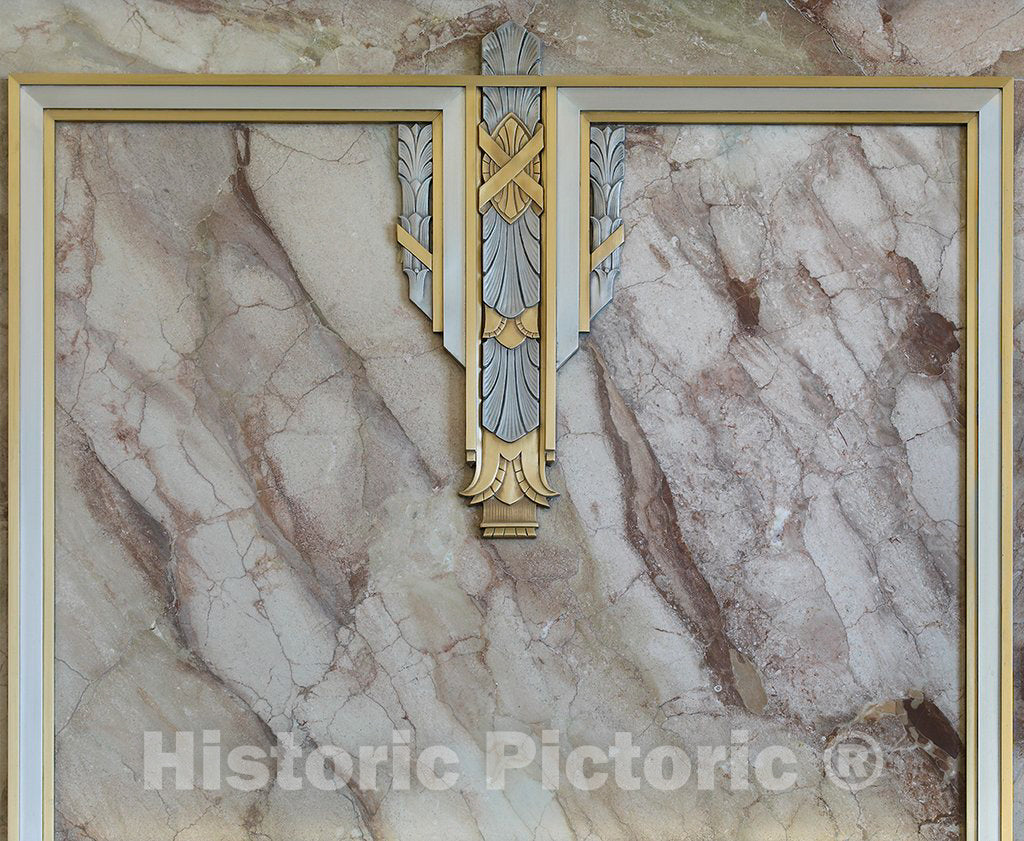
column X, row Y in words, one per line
column 584, row 223
column 1006, row 468
column 13, row 452
column 971, row 478
column 472, row 284
column 49, row 395
column 437, row 224
column 548, row 292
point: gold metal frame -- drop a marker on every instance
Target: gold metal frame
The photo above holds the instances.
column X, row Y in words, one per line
column 475, row 79
column 471, row 85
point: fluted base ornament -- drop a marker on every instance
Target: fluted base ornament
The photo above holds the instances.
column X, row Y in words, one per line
column 509, row 471
column 516, row 520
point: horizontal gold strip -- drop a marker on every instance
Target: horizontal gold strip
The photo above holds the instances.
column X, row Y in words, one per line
column 239, row 115
column 614, row 240
column 767, row 118
column 472, row 80
column 414, row 246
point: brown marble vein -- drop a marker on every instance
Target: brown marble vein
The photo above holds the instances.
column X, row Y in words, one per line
column 748, row 539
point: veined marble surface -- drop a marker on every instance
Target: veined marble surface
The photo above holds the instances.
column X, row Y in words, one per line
column 259, row 529
column 625, row 36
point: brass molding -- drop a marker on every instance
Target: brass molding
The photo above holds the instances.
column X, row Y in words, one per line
column 14, row 461
column 516, row 520
column 507, row 80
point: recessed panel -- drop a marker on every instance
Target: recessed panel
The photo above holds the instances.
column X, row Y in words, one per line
column 747, row 598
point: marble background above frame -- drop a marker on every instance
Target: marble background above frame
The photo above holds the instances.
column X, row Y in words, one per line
column 609, row 36
column 761, row 519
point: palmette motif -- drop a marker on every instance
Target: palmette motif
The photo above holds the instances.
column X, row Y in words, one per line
column 415, row 175
column 511, row 262
column 607, row 171
column 511, row 386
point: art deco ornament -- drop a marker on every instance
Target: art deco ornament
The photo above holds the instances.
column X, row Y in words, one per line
column 509, row 478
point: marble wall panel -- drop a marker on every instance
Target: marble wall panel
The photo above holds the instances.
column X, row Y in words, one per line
column 759, row 532
column 717, row 36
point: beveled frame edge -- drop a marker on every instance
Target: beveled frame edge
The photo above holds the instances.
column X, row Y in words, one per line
column 13, row 449
column 471, row 79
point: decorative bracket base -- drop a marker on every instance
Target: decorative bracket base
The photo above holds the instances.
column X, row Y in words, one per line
column 516, row 520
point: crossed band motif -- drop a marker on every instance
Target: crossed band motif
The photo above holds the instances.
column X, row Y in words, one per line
column 513, row 167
